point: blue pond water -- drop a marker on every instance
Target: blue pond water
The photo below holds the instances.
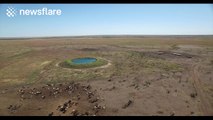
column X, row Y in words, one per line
column 83, row 60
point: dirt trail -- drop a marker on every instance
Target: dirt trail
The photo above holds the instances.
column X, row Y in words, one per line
column 205, row 105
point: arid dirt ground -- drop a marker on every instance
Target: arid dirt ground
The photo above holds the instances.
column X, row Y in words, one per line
column 154, row 76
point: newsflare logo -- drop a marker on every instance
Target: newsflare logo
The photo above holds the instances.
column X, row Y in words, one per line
column 12, row 12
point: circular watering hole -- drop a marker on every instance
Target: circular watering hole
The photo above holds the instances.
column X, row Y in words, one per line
column 83, row 60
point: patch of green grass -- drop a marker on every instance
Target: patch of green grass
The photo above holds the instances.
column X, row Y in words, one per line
column 162, row 64
column 137, row 59
column 174, row 47
column 33, row 76
column 20, row 54
column 70, row 64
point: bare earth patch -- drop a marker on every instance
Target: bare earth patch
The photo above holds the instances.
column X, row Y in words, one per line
column 154, row 76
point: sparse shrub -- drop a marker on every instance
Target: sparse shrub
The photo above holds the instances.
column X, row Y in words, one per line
column 175, row 47
column 193, row 95
column 161, row 64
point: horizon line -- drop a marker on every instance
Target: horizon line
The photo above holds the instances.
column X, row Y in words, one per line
column 109, row 35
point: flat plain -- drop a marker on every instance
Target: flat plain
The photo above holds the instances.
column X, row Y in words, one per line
column 145, row 75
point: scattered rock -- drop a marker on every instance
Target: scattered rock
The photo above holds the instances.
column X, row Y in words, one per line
column 13, row 108
column 193, row 95
column 93, row 100
column 112, row 88
column 127, row 104
column 172, row 113
column 97, row 108
column 62, row 109
column 86, row 113
column 43, row 97
column 88, row 87
column 160, row 52
column 10, row 106
column 38, row 92
column 75, row 92
column 3, row 92
column 51, row 114
column 147, row 83
column 164, row 75
column 168, row 91
column 74, row 112
column 178, row 54
column 160, row 112
column 136, row 87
